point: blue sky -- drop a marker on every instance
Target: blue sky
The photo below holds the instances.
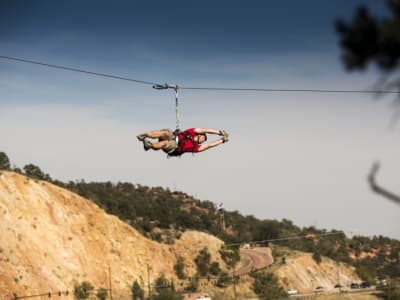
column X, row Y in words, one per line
column 119, row 35
column 292, row 155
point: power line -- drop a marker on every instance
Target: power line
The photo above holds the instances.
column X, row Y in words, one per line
column 76, row 70
column 295, row 237
column 167, row 86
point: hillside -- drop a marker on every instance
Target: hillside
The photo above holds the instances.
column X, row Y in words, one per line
column 302, row 273
column 162, row 215
column 52, row 238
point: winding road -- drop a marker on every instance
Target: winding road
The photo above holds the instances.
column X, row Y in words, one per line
column 258, row 257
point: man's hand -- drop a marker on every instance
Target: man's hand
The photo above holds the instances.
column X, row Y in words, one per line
column 225, row 135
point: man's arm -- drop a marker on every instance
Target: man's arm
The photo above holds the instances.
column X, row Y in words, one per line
column 207, row 130
column 207, row 146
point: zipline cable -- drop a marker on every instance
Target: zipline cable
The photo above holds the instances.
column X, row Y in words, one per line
column 76, row 70
column 291, row 90
column 167, row 86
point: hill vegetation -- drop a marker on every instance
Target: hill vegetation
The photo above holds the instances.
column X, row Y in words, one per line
column 163, row 215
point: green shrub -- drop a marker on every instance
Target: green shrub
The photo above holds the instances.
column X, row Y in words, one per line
column 137, row 291
column 202, row 261
column 165, row 290
column 4, row 161
column 83, row 290
column 193, row 285
column 180, row 268
column 102, row 294
column 266, row 286
column 223, row 279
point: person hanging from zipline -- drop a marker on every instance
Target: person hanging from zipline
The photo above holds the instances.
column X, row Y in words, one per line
column 178, row 142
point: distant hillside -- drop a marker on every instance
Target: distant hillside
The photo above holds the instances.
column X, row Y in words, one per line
column 52, row 238
column 163, row 215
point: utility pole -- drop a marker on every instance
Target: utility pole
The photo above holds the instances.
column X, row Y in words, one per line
column 234, row 284
column 338, row 276
column 222, row 220
column 220, row 211
column 109, row 282
column 148, row 280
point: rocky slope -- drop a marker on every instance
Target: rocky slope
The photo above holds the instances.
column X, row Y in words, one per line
column 51, row 239
column 302, row 273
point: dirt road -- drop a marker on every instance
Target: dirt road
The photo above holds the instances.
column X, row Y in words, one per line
column 258, row 257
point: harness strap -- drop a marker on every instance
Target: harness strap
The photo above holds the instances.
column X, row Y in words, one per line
column 177, row 108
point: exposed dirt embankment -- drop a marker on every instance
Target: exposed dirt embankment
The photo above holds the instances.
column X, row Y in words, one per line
column 52, row 238
column 303, row 274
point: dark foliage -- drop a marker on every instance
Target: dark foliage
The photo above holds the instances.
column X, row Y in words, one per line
column 180, row 268
column 214, row 268
column 102, row 294
column 368, row 39
column 83, row 290
column 137, row 291
column 165, row 290
column 202, row 261
column 230, row 255
column 317, row 257
column 4, row 161
column 223, row 280
column 193, row 284
column 36, row 173
column 267, row 287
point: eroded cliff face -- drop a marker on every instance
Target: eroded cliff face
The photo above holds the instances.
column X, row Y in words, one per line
column 303, row 274
column 51, row 238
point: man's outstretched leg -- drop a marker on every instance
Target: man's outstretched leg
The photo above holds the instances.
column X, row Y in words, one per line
column 155, row 146
column 155, row 134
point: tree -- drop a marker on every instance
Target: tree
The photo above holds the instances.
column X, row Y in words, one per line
column 368, row 39
column 83, row 290
column 366, row 271
column 202, row 261
column 214, row 268
column 223, row 279
column 266, row 286
column 137, row 291
column 102, row 294
column 4, row 161
column 35, row 172
column 230, row 256
column 193, row 285
column 317, row 257
column 180, row 268
column 165, row 290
